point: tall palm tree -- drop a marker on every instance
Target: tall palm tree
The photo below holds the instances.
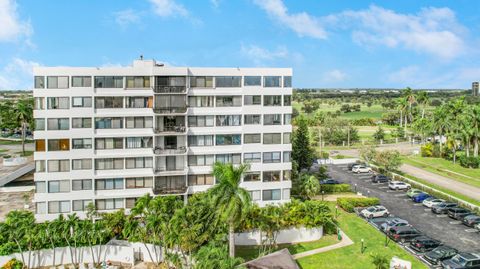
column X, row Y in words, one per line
column 423, row 99
column 22, row 113
column 440, row 123
column 231, row 200
column 409, row 98
column 310, row 186
column 475, row 116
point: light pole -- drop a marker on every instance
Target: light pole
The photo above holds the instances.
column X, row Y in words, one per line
column 323, row 192
column 362, row 248
column 355, row 187
column 336, row 211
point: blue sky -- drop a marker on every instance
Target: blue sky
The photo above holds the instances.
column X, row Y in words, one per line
column 421, row 44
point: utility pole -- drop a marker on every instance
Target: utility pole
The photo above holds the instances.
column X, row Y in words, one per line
column 320, row 142
column 348, row 135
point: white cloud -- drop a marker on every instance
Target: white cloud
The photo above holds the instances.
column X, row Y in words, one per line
column 334, row 75
column 11, row 27
column 126, row 17
column 262, row 56
column 301, row 23
column 169, row 8
column 215, row 3
column 17, row 75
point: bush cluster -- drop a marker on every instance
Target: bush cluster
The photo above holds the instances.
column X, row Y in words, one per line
column 469, row 162
column 13, row 264
column 348, row 204
column 336, row 188
column 364, row 122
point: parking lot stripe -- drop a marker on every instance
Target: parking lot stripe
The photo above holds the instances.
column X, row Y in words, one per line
column 442, row 216
column 408, row 199
column 390, row 191
column 455, row 222
column 399, row 195
column 427, row 209
column 417, row 204
column 383, row 187
column 471, row 230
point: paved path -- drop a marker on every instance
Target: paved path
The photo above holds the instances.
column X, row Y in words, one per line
column 346, row 241
column 454, row 185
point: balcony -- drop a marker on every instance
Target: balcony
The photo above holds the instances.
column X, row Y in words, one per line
column 169, row 89
column 171, row 129
column 169, row 150
column 170, row 185
column 170, row 110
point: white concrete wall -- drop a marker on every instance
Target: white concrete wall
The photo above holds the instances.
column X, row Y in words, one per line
column 292, row 235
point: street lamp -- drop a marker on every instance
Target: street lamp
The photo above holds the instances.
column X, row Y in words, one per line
column 355, row 187
column 336, row 211
column 323, row 192
column 362, row 248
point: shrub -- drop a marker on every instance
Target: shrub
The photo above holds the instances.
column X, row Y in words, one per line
column 13, row 264
column 427, row 150
column 363, row 122
column 469, row 162
column 336, row 188
column 348, row 204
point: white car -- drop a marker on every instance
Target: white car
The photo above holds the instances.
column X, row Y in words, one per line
column 398, row 185
column 375, row 212
column 361, row 169
column 431, row 202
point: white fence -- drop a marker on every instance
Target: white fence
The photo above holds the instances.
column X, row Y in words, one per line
column 337, row 161
column 292, row 235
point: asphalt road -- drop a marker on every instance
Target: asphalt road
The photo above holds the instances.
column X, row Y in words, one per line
column 440, row 227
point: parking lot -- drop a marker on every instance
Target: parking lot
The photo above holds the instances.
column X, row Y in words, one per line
column 451, row 232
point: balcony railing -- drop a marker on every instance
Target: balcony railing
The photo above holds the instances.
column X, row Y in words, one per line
column 169, row 89
column 169, row 151
column 169, row 190
column 171, row 129
column 168, row 110
column 167, row 169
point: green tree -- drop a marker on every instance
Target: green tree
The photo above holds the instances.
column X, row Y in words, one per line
column 368, row 153
column 17, row 114
column 380, row 261
column 389, row 160
column 310, row 186
column 379, row 134
column 302, row 152
column 423, row 99
column 214, row 255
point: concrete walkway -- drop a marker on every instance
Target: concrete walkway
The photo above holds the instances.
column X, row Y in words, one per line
column 448, row 183
column 346, row 241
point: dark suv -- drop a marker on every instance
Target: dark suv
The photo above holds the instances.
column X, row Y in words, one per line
column 458, row 213
column 437, row 255
column 463, row 261
column 403, row 233
column 442, row 207
column 380, row 178
column 471, row 220
column 424, row 243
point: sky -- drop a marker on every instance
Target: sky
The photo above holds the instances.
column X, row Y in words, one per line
column 329, row 44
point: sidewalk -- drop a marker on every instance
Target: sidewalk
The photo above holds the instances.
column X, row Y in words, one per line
column 346, row 241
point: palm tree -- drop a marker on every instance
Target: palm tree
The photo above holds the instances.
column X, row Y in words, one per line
column 231, row 200
column 22, row 112
column 475, row 116
column 310, row 186
column 440, row 123
column 423, row 99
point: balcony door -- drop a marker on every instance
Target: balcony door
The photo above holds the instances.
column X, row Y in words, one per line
column 171, row 163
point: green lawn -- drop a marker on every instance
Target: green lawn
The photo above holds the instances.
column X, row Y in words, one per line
column 27, row 153
column 350, row 257
column 11, row 142
column 440, row 166
column 251, row 252
column 374, row 112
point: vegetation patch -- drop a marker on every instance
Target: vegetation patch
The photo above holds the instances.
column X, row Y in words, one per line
column 348, row 204
column 335, row 188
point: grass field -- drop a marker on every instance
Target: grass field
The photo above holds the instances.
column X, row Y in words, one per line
column 350, row 257
column 11, row 142
column 374, row 111
column 27, row 153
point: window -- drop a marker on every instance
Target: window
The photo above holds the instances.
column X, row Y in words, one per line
column 138, row 122
column 272, row 138
column 39, row 124
column 287, row 155
column 58, row 102
column 252, row 81
column 272, row 157
column 81, row 184
column 287, row 81
column 139, row 182
column 82, row 143
column 229, row 158
column 229, row 120
column 255, row 195
column 269, row 176
column 228, row 139
column 39, row 166
column 130, row 202
column 252, row 138
column 108, row 123
column 252, row 157
column 271, row 81
column 287, row 138
column 251, row 176
column 272, row 100
column 55, row 186
column 224, row 82
column 287, row 119
column 81, row 122
column 39, row 103
column 57, row 82
column 39, row 145
column 201, row 82
column 80, row 205
column 108, row 82
column 252, row 100
column 58, row 165
column 171, row 81
column 109, row 184
column 286, row 194
column 139, row 162
column 225, row 101
column 200, row 140
column 201, row 160
column 201, row 101
column 270, row 195
column 139, row 102
column 109, row 204
column 201, row 121
column 252, row 119
column 40, row 208
column 109, row 164
column 109, row 102
column 58, row 124
column 39, row 82
column 138, row 142
column 287, row 100
column 138, row 82
column 82, row 81
column 81, row 101
column 287, row 175
column 58, row 144
column 55, row 207
column 40, row 187
column 81, row 164
column 272, row 119
column 194, row 180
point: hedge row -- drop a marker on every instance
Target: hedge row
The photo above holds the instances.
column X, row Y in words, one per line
column 335, row 188
column 348, row 204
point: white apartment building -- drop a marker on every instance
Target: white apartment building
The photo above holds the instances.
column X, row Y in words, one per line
column 109, row 135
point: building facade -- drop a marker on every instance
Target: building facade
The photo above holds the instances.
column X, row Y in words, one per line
column 112, row 134
column 476, row 88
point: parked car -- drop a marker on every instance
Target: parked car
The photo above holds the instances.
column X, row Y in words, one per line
column 477, row 226
column 463, row 260
column 443, row 207
column 375, row 212
column 361, row 169
column 403, row 233
column 412, row 192
column 471, row 220
column 431, row 201
column 380, row 178
column 424, row 243
column 395, row 222
column 458, row 213
column 437, row 255
column 329, row 181
column 398, row 185
column 351, row 165
column 418, row 198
